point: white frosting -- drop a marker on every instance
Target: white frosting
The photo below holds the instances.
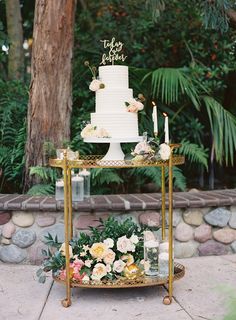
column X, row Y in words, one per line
column 112, row 100
column 110, row 110
column 119, row 125
column 114, row 77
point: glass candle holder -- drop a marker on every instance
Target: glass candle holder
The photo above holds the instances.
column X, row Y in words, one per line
column 163, row 265
column 77, row 183
column 151, row 252
column 59, row 196
column 86, row 176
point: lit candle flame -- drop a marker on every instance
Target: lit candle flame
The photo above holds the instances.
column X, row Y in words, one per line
column 164, row 114
column 153, row 103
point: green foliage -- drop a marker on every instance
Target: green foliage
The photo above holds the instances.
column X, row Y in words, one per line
column 223, row 126
column 48, row 176
column 194, row 153
column 13, row 103
column 41, row 190
column 214, row 14
column 169, row 83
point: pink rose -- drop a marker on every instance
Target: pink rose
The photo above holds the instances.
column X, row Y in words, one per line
column 135, row 106
column 142, row 147
column 118, row 266
column 132, row 108
column 124, row 245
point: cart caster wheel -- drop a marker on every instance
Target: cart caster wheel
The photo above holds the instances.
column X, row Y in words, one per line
column 167, row 300
column 66, row 303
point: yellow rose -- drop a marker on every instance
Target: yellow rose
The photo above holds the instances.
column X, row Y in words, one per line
column 98, row 250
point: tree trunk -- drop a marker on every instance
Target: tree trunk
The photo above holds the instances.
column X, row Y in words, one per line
column 50, row 98
column 15, row 36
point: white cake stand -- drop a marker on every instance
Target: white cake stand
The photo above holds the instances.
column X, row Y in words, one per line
column 114, row 152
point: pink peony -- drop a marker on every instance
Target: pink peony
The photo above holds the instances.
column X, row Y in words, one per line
column 124, row 245
column 118, row 266
column 135, row 106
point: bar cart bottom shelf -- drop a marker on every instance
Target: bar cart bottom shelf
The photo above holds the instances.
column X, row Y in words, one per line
column 179, row 272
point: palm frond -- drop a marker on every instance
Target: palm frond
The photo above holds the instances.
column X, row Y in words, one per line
column 41, row 189
column 223, row 127
column 179, row 179
column 194, row 152
column 171, row 83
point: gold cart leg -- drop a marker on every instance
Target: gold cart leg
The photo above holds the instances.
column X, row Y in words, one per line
column 70, row 204
column 168, row 299
column 67, row 301
column 163, row 202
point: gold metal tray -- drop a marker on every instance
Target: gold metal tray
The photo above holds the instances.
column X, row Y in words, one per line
column 179, row 272
column 94, row 161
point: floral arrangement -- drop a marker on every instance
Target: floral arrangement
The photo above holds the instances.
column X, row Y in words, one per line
column 135, row 105
column 150, row 151
column 96, row 84
column 114, row 250
column 90, row 131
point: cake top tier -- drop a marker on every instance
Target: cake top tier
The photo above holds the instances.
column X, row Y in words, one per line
column 114, row 76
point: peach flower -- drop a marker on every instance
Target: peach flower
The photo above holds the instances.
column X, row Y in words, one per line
column 88, row 131
column 98, row 250
column 63, row 250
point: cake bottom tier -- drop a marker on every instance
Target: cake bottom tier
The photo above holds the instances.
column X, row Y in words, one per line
column 118, row 125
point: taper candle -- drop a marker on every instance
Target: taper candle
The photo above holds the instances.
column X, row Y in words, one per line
column 166, row 128
column 154, row 118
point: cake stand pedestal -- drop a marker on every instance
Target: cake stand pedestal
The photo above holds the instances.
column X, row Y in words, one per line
column 115, row 151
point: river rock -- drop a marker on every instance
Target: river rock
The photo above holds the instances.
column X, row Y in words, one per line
column 88, row 220
column 8, row 230
column 183, row 232
column 55, row 230
column 12, row 254
column 225, row 235
column 5, row 241
column 232, row 220
column 35, row 255
column 193, row 217
column 218, row 217
column 185, row 249
column 45, row 220
column 24, row 238
column 177, row 217
column 23, row 219
column 202, row 233
column 150, row 219
column 233, row 246
column 5, row 216
column 212, row 248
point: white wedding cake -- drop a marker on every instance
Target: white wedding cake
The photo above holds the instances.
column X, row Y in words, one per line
column 111, row 112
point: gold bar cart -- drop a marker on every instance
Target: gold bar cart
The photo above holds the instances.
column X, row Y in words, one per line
column 94, row 161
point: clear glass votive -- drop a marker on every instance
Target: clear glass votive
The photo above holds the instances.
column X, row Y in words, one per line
column 163, row 265
column 77, row 183
column 151, row 252
column 86, row 176
column 59, row 194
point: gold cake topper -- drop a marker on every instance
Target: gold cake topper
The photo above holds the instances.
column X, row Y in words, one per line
column 114, row 53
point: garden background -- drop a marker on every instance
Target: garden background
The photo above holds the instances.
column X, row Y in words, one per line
column 180, row 55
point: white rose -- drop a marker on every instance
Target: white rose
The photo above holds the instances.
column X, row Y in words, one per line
column 118, row 266
column 164, row 151
column 95, row 85
column 85, row 279
column 139, row 106
column 124, row 245
column 99, row 271
column 88, row 263
column 108, row 268
column 134, row 238
column 110, row 257
column 102, row 133
column 88, row 131
column 109, row 242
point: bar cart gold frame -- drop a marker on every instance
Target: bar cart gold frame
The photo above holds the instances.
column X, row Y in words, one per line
column 94, row 161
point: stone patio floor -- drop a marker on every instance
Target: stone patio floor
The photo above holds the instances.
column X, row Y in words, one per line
column 200, row 295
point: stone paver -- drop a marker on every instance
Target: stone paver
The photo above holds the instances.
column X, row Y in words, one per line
column 21, row 296
column 197, row 296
